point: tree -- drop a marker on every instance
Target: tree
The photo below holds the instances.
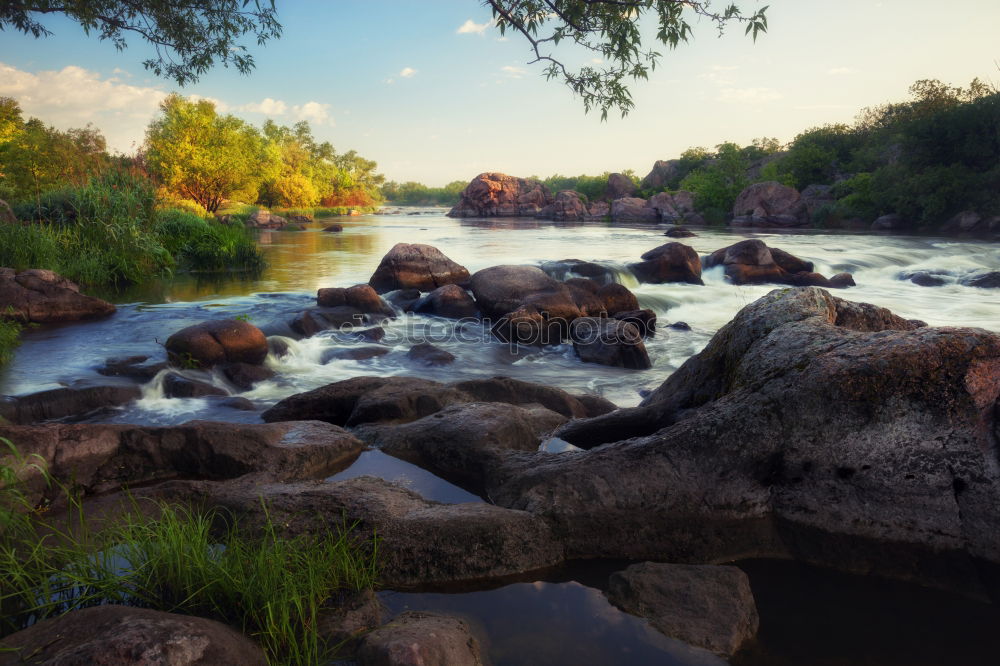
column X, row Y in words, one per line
column 609, row 29
column 203, row 156
column 188, row 37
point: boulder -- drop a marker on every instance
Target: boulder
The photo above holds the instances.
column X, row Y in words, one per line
column 465, row 443
column 706, row 606
column 354, row 353
column 609, row 342
column 644, row 320
column 769, row 204
column 599, row 210
column 314, row 320
column 121, row 635
column 584, row 294
column 661, row 175
column 361, row 297
column 890, row 222
column 503, row 289
column 965, row 221
column 349, row 620
column 263, row 219
column 450, row 301
column 836, row 433
column 672, row 262
column 989, row 280
column 617, row 298
column 562, row 269
column 923, row 278
column 663, row 204
column 373, row 334
column 65, row 403
column 500, row 195
column 517, row 392
column 568, row 206
column 419, row 639
column 679, row 232
column 333, row 228
column 131, row 367
column 244, row 375
column 633, row 209
column 427, row 354
column 619, row 186
column 178, row 386
column 43, row 297
column 416, row 266
column 753, row 262
column 98, row 458
column 219, row 341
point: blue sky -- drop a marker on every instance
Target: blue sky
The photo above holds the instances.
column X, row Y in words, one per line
column 398, row 81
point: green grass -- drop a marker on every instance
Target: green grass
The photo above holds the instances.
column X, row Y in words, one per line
column 271, row 587
column 10, row 332
column 207, row 246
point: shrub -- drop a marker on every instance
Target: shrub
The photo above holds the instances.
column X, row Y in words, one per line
column 208, row 246
column 10, row 332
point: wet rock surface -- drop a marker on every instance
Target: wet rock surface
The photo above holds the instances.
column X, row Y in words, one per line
column 672, row 262
column 213, row 342
column 416, row 266
column 611, row 342
column 753, row 262
column 707, row 606
column 63, row 403
column 124, row 636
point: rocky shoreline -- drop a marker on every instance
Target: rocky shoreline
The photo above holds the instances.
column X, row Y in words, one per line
column 811, row 428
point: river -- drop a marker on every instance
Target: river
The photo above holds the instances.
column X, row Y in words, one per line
column 302, row 262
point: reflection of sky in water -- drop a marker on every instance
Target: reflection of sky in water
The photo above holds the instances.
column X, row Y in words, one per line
column 301, row 262
column 376, row 463
column 555, row 624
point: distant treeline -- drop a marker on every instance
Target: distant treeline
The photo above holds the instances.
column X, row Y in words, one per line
column 925, row 159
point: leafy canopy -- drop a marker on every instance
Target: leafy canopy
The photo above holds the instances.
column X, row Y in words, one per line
column 188, row 37
column 612, row 30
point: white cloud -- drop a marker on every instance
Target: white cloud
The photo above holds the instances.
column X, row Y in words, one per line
column 513, row 72
column 314, row 112
column 470, row 27
column 73, row 97
column 837, row 71
column 267, row 106
column 390, row 81
column 597, row 61
column 748, row 95
column 407, row 72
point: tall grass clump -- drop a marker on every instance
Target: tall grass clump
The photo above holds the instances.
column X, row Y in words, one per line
column 10, row 332
column 208, row 246
column 270, row 586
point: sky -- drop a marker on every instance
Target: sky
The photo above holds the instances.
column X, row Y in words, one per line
column 433, row 93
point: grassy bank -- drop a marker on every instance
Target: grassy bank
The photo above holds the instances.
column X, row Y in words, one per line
column 113, row 231
column 270, row 587
column 9, row 340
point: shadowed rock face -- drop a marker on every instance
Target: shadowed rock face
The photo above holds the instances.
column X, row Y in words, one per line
column 809, row 426
column 753, row 262
column 122, row 635
column 42, row 296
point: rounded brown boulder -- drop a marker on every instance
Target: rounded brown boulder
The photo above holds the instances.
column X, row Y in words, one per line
column 416, row 266
column 220, row 341
column 671, row 262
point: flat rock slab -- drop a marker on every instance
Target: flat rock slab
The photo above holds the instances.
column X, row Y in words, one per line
column 420, row 541
column 63, row 403
column 99, row 457
column 123, row 636
column 421, row 639
column 706, row 606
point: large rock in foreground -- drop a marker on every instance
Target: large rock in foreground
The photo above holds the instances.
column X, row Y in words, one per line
column 124, row 636
column 216, row 342
column 416, row 266
column 707, row 606
column 812, row 427
column 41, row 296
column 499, row 195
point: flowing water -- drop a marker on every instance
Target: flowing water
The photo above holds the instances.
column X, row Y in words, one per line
column 536, row 614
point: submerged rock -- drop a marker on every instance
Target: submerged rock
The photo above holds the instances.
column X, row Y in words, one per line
column 427, row 354
column 707, row 606
column 42, row 297
column 609, row 342
column 133, row 367
column 420, row 639
column 984, row 281
column 178, row 386
column 119, row 635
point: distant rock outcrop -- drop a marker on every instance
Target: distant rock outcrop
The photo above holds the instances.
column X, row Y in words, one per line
column 620, row 185
column 769, row 204
column 662, row 173
column 499, row 195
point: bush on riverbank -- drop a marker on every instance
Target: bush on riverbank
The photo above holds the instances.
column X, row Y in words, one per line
column 271, row 587
column 110, row 231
